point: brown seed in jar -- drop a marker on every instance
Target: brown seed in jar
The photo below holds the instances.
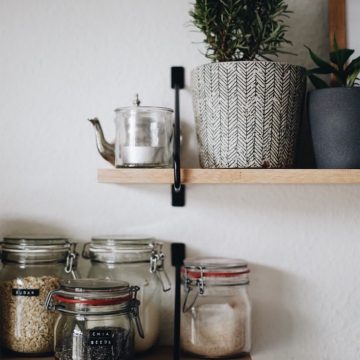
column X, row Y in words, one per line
column 26, row 327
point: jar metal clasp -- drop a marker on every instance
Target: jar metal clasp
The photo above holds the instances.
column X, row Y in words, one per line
column 71, row 259
column 200, row 285
column 134, row 309
column 49, row 304
column 157, row 267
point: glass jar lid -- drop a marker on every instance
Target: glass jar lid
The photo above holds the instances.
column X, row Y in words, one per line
column 129, row 249
column 216, row 270
column 34, row 249
column 94, row 292
column 96, row 297
column 120, row 248
column 18, row 243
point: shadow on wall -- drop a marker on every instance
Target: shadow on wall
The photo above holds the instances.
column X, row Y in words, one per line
column 189, row 154
column 273, row 323
column 29, row 227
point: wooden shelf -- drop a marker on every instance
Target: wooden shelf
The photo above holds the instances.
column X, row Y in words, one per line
column 231, row 176
column 163, row 353
column 166, row 354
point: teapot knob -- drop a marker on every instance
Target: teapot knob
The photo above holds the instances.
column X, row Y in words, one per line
column 136, row 101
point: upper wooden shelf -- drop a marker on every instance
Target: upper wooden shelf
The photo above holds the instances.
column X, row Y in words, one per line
column 230, row 176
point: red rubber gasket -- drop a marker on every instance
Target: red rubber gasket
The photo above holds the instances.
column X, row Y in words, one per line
column 216, row 274
column 94, row 302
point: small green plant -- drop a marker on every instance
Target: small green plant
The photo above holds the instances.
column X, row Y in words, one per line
column 345, row 74
column 241, row 29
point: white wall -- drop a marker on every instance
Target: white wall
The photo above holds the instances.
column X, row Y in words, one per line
column 352, row 14
column 64, row 61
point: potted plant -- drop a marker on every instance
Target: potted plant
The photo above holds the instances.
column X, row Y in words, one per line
column 334, row 110
column 247, row 107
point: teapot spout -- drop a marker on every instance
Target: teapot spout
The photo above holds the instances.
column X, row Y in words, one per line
column 106, row 149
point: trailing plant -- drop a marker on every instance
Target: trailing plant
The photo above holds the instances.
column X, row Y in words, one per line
column 241, row 29
column 345, row 74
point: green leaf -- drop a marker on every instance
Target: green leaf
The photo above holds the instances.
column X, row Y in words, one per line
column 354, row 74
column 341, row 56
column 336, row 47
column 317, row 82
column 351, row 80
column 320, row 63
column 353, row 65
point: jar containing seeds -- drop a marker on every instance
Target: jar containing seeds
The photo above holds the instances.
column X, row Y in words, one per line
column 96, row 319
column 32, row 266
column 138, row 260
column 216, row 314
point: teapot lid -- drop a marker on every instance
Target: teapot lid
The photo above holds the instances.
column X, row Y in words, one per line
column 136, row 107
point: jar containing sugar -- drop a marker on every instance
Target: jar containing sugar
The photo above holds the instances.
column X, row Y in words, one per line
column 216, row 317
column 138, row 260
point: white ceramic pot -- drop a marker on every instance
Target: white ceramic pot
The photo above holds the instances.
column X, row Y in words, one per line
column 248, row 113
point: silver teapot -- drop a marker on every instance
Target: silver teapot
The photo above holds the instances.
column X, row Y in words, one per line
column 144, row 136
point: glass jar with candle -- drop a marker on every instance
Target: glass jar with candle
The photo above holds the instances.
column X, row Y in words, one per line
column 138, row 260
column 95, row 319
column 216, row 318
column 32, row 266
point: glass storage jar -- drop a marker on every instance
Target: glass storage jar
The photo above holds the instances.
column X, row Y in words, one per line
column 216, row 318
column 32, row 266
column 95, row 319
column 138, row 260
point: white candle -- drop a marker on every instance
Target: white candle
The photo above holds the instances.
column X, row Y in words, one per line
column 142, row 155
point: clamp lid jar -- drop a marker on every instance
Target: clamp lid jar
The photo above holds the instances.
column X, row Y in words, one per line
column 216, row 320
column 138, row 260
column 32, row 266
column 96, row 319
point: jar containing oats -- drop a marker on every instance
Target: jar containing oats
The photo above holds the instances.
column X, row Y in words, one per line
column 32, row 266
column 216, row 318
column 138, row 260
column 96, row 319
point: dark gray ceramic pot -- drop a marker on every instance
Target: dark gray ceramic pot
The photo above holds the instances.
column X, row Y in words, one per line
column 334, row 115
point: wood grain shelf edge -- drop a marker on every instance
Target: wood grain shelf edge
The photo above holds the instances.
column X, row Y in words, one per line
column 231, row 176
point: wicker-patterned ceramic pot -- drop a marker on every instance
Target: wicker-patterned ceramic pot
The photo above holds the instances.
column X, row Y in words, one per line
column 248, row 113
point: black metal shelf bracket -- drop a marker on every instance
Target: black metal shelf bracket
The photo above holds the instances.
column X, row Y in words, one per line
column 177, row 189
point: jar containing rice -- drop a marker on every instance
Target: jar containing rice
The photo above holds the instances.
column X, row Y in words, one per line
column 216, row 318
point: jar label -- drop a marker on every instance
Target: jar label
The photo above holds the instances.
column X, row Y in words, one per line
column 101, row 338
column 25, row 292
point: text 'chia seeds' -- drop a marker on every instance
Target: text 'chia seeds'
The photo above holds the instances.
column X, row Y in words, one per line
column 99, row 343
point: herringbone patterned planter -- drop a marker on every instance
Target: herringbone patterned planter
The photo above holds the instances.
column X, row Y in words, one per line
column 247, row 113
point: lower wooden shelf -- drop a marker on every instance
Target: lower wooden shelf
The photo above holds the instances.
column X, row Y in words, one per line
column 164, row 353
column 230, row 176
